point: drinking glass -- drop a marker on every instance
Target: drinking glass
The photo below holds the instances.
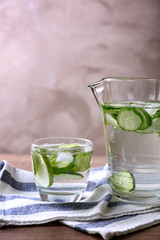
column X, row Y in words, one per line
column 61, row 167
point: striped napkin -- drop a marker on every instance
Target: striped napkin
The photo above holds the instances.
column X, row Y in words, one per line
column 97, row 212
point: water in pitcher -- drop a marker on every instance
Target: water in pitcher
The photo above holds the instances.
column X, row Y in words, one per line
column 132, row 135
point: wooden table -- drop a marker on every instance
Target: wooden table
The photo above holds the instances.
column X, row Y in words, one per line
column 55, row 230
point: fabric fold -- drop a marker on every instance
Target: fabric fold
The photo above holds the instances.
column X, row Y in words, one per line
column 97, row 212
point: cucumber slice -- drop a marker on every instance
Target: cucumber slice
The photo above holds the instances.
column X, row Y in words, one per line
column 52, row 159
column 42, row 170
column 156, row 125
column 69, row 145
column 113, row 110
column 147, row 121
column 40, row 150
column 123, row 181
column 156, row 122
column 146, row 131
column 129, row 119
column 62, row 162
column 82, row 162
column 34, row 167
column 72, row 147
column 69, row 176
column 110, row 120
column 156, row 115
column 110, row 114
column 74, row 169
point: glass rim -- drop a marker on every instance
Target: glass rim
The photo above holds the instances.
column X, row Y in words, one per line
column 121, row 79
column 87, row 142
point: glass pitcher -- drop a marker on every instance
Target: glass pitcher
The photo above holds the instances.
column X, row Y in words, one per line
column 131, row 118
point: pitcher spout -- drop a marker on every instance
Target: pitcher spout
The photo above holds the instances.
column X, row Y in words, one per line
column 97, row 89
column 96, row 84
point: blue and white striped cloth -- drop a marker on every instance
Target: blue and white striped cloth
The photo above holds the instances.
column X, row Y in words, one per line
column 98, row 212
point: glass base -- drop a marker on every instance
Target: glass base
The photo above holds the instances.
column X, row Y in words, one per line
column 59, row 198
column 63, row 194
column 138, row 199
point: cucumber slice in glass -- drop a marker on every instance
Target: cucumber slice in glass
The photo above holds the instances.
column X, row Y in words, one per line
column 42, row 170
column 123, row 181
column 156, row 125
column 69, row 176
column 110, row 114
column 82, row 162
column 156, row 115
column 129, row 119
column 33, row 163
column 147, row 121
column 62, row 162
column 69, row 145
column 40, row 150
column 146, row 131
column 156, row 122
column 110, row 120
column 72, row 147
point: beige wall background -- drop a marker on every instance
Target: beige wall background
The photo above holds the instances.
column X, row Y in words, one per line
column 50, row 50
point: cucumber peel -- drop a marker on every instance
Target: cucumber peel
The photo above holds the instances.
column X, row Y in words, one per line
column 83, row 162
column 42, row 170
column 123, row 181
column 69, row 145
column 129, row 119
column 147, row 121
column 156, row 125
column 110, row 120
column 69, row 176
column 156, row 115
